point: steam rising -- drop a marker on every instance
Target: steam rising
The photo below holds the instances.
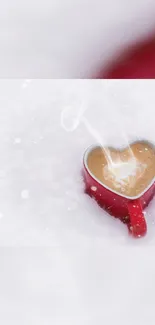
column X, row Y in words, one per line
column 119, row 170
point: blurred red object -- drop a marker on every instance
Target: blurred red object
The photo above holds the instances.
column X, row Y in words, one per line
column 137, row 62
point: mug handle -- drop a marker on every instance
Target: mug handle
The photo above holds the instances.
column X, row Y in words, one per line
column 137, row 225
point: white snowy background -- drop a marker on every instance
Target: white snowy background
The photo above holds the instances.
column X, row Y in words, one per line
column 63, row 260
column 68, row 39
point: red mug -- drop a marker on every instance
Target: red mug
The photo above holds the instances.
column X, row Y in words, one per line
column 128, row 210
column 136, row 62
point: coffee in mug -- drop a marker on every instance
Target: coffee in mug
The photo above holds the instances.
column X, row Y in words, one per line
column 128, row 172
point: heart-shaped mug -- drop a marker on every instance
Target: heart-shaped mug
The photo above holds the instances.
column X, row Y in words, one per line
column 128, row 208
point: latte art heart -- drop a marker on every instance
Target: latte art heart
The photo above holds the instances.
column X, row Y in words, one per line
column 128, row 174
column 124, row 174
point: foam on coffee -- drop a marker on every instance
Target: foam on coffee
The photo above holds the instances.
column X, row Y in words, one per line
column 126, row 173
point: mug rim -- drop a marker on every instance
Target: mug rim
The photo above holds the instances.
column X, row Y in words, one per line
column 85, row 158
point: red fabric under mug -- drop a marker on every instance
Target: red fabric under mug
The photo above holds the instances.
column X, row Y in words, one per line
column 127, row 209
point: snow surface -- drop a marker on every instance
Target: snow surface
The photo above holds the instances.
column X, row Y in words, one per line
column 63, row 260
column 64, row 38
